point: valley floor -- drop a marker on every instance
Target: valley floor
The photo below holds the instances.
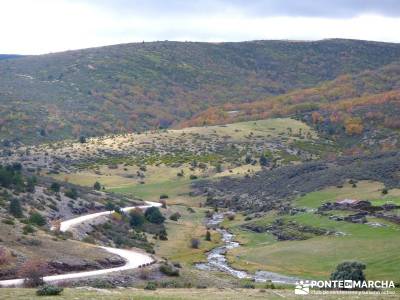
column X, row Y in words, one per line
column 176, row 294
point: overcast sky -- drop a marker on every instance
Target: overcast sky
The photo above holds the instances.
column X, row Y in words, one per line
column 42, row 26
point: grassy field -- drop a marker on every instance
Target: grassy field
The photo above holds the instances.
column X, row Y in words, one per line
column 177, row 294
column 317, row 257
column 178, row 247
column 365, row 190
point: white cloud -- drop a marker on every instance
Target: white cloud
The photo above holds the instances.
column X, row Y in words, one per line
column 42, row 26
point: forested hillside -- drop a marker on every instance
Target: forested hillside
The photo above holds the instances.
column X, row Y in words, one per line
column 132, row 87
column 356, row 109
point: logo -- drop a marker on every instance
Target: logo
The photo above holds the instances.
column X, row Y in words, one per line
column 302, row 288
column 307, row 287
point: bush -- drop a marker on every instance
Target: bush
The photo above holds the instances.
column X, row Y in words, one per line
column 137, row 218
column 193, row 177
column 248, row 285
column 164, row 196
column 71, row 193
column 231, row 217
column 208, row 236
column 37, row 219
column 153, row 215
column 49, row 290
column 151, row 286
column 33, row 271
column 169, row 270
column 195, row 243
column 28, row 229
column 97, row 186
column 349, row 271
column 55, row 187
column 15, row 208
column 175, row 216
column 385, row 191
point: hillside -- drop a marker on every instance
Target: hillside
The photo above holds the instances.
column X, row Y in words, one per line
column 132, row 87
column 357, row 109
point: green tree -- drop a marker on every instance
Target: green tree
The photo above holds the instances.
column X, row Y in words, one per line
column 263, row 160
column 15, row 208
column 137, row 218
column 153, row 215
column 37, row 219
column 72, row 193
column 55, row 187
column 349, row 270
column 97, row 186
column 208, row 236
column 30, row 184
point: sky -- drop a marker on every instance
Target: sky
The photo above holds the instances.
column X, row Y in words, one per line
column 44, row 26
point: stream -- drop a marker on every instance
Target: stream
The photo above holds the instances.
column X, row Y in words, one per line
column 216, row 258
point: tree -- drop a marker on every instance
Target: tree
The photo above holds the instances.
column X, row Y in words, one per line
column 263, row 160
column 97, row 186
column 33, row 271
column 153, row 215
column 208, row 236
column 248, row 159
column 137, row 218
column 15, row 208
column 37, row 219
column 82, row 139
column 72, row 193
column 55, row 187
column 349, row 270
column 195, row 243
column 30, row 184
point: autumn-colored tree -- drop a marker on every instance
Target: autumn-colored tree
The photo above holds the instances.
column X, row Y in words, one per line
column 33, row 271
column 317, row 117
column 354, row 126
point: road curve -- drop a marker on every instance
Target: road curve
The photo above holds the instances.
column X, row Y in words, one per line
column 134, row 259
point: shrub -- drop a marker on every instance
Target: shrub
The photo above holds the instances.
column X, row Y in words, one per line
column 385, row 191
column 33, row 271
column 4, row 258
column 151, row 286
column 349, row 271
column 153, row 215
column 195, row 243
column 55, row 187
column 37, row 219
column 208, row 236
column 193, row 177
column 15, row 208
column 82, row 139
column 71, row 193
column 164, row 196
column 175, row 216
column 144, row 274
column 28, row 229
column 137, row 218
column 49, row 290
column 169, row 270
column 248, row 285
column 231, row 217
column 97, row 186
column 163, row 235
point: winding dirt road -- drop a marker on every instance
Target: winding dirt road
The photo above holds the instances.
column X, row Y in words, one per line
column 134, row 259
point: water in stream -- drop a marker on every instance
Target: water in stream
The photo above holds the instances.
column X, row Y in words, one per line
column 216, row 259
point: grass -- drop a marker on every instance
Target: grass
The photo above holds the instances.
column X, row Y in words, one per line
column 317, row 257
column 175, row 294
column 180, row 233
column 365, row 190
